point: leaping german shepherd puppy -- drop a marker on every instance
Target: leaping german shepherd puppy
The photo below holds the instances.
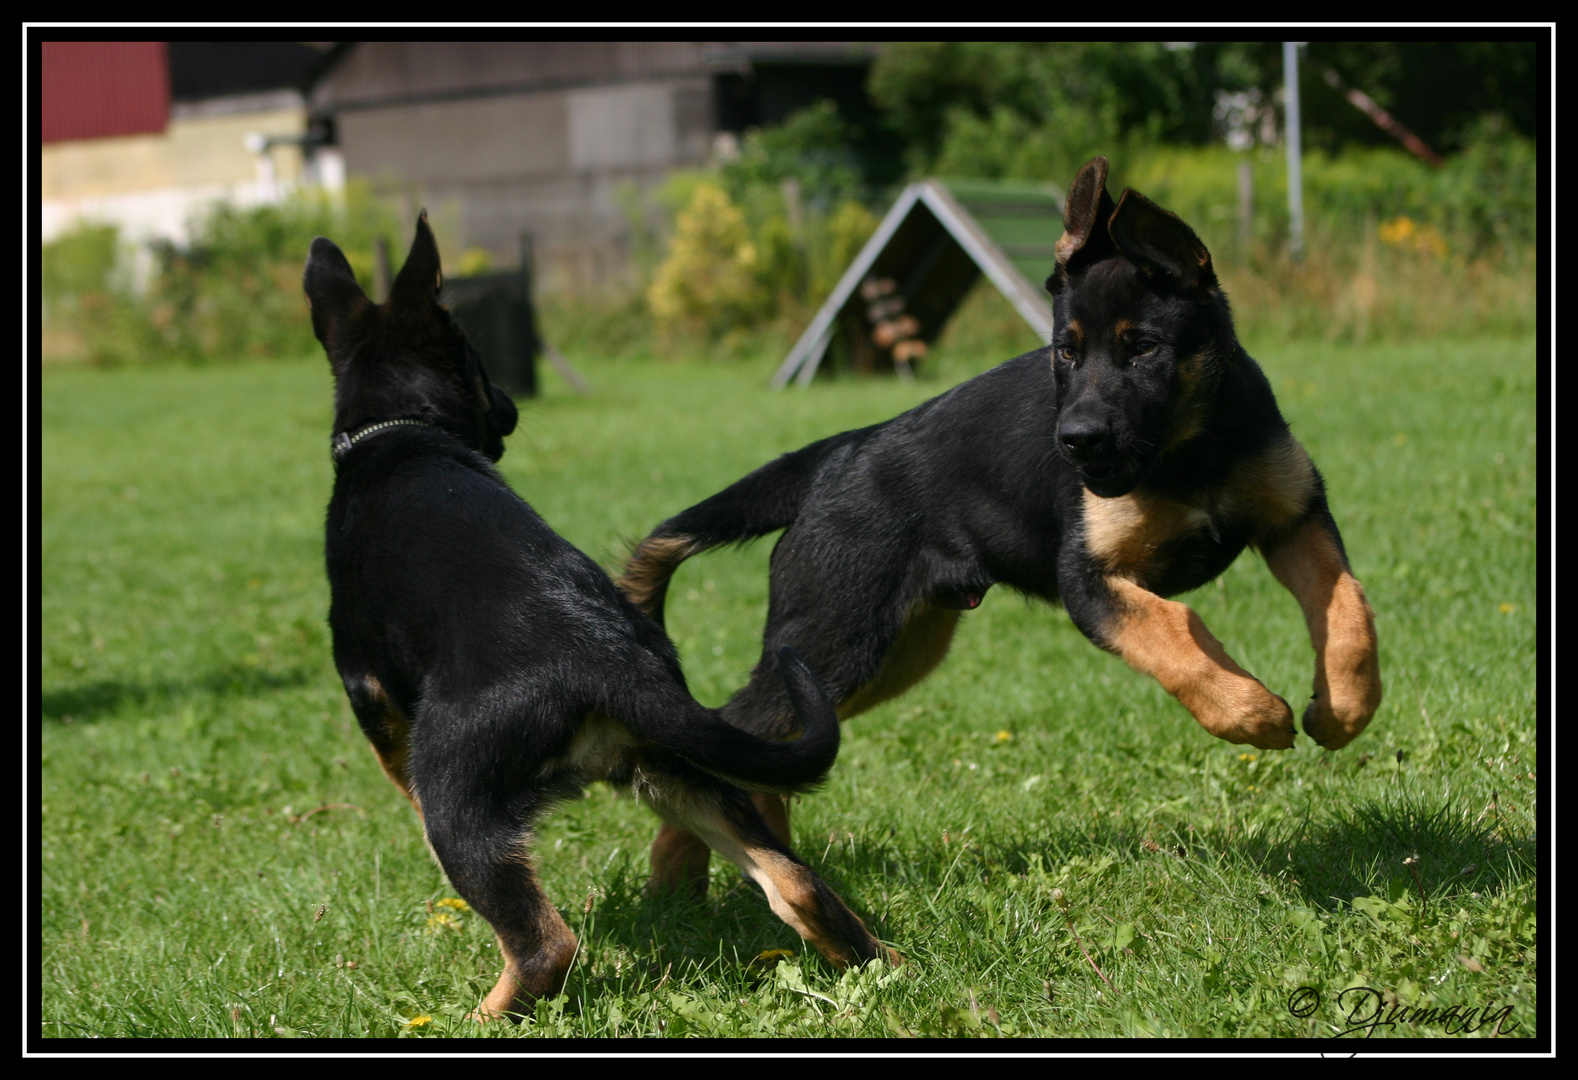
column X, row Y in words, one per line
column 1132, row 460
column 494, row 667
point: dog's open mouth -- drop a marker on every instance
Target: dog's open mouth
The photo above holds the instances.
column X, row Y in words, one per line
column 1107, row 478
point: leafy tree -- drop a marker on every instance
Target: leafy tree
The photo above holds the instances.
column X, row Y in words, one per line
column 1035, row 110
column 1438, row 89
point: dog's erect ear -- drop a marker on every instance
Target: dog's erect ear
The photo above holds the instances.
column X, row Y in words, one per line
column 1159, row 243
column 332, row 290
column 421, row 277
column 1082, row 209
column 1085, row 216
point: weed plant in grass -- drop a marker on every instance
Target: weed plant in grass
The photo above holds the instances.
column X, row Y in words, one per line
column 1052, row 842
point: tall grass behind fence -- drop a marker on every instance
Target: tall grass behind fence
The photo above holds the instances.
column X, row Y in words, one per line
column 1394, row 250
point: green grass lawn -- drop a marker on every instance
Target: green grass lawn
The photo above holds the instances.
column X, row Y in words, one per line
column 1055, row 845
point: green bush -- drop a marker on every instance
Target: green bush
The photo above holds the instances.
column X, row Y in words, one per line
column 759, row 243
column 1485, row 195
column 1393, row 249
column 1031, row 110
column 710, row 280
column 813, row 148
column 234, row 290
column 81, row 261
column 90, row 304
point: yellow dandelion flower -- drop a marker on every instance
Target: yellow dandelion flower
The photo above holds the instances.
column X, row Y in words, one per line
column 1403, row 231
column 452, row 902
column 1004, row 736
column 442, row 920
column 772, row 956
column 1508, row 609
column 1397, row 231
column 418, row 1021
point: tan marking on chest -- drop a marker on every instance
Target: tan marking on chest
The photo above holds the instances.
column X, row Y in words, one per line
column 1273, row 488
column 1125, row 533
column 1270, row 490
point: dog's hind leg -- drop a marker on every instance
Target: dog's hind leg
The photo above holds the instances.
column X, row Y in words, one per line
column 862, row 657
column 680, row 858
column 922, row 644
column 724, row 817
column 908, row 648
column 480, row 842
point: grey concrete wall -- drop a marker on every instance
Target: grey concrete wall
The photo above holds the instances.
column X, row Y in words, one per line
column 550, row 161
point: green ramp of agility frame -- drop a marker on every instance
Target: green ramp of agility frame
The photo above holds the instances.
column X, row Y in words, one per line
column 937, row 239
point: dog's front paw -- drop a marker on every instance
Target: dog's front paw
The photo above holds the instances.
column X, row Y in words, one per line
column 1251, row 714
column 859, row 954
column 1335, row 725
column 1347, row 693
column 1270, row 727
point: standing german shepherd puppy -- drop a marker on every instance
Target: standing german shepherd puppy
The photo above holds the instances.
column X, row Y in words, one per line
column 1132, row 460
column 494, row 667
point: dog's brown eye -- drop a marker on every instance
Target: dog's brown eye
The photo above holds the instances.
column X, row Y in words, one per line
column 1066, row 353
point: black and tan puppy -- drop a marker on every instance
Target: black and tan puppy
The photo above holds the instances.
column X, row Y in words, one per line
column 1132, row 460
column 495, row 668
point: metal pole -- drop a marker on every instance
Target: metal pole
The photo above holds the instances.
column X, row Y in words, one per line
column 1246, row 209
column 1290, row 87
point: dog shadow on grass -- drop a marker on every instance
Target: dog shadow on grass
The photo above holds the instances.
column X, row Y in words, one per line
column 106, row 698
column 1440, row 851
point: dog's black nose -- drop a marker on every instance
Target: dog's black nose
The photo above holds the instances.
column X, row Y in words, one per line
column 1085, row 439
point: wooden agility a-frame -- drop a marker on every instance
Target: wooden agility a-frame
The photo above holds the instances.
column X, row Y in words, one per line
column 929, row 250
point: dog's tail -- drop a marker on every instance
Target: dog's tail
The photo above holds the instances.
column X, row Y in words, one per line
column 762, row 502
column 710, row 742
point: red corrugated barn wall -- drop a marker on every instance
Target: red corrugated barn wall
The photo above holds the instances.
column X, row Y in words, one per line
column 96, row 88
